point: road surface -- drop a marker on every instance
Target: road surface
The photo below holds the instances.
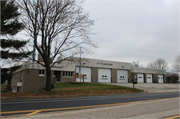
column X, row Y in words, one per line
column 65, row 103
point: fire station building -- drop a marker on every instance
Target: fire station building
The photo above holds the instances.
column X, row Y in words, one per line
column 32, row 76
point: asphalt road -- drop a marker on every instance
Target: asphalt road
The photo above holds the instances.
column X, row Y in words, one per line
column 50, row 103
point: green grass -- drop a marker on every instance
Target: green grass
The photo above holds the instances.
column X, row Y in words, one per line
column 67, row 90
column 3, row 86
column 91, row 86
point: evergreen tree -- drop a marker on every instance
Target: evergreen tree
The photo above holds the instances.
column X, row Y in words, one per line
column 10, row 26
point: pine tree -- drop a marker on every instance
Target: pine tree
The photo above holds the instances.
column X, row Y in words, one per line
column 10, row 26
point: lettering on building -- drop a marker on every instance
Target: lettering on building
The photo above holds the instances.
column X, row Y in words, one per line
column 107, row 64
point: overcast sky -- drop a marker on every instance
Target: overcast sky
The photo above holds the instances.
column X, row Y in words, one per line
column 134, row 30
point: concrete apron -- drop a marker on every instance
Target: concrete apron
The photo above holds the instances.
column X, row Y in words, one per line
column 152, row 87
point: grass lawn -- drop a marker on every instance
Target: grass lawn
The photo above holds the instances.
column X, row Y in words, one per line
column 69, row 90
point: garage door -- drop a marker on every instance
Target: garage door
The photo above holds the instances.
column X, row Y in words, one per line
column 104, row 75
column 140, row 78
column 160, row 78
column 122, row 76
column 86, row 72
column 149, row 78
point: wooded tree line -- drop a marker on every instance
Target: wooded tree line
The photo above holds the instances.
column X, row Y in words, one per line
column 160, row 63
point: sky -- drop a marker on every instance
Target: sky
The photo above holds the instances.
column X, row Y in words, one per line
column 136, row 30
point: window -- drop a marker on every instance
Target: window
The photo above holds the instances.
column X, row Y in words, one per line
column 67, row 74
column 71, row 73
column 85, row 76
column 41, row 72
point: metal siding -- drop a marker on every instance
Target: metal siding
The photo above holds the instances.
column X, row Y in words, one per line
column 102, row 73
column 122, row 76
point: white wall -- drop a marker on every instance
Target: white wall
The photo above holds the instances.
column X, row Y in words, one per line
column 122, row 76
column 104, row 75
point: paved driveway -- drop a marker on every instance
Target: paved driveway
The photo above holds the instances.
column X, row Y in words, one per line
column 152, row 87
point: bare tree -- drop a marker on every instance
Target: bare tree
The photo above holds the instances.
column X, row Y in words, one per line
column 135, row 63
column 176, row 64
column 152, row 65
column 55, row 26
column 158, row 64
column 161, row 63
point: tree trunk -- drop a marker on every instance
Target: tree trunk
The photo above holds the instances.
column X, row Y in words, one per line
column 48, row 79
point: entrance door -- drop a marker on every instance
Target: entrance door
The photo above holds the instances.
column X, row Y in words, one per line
column 57, row 75
column 19, row 89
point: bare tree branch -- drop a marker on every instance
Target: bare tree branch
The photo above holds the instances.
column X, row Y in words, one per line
column 54, row 26
column 158, row 64
column 135, row 63
column 176, row 64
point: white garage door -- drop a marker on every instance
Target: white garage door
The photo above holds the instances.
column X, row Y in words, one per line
column 104, row 75
column 160, row 78
column 122, row 76
column 149, row 78
column 86, row 72
column 140, row 78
